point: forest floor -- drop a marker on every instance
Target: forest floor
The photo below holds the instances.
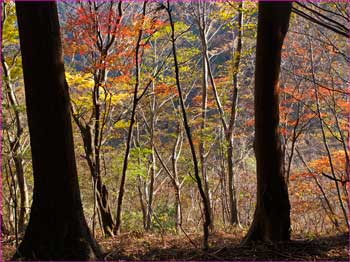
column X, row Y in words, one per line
column 223, row 246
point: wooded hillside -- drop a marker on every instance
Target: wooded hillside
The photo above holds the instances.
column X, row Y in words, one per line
column 175, row 130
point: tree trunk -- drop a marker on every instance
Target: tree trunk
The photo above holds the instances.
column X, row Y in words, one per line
column 22, row 192
column 202, row 154
column 234, row 220
column 15, row 144
column 178, row 213
column 143, row 207
column 152, row 171
column 131, row 127
column 93, row 131
column 4, row 230
column 203, row 34
column 151, row 189
column 206, row 207
column 103, row 203
column 234, row 217
column 104, row 207
column 223, row 183
column 175, row 180
column 272, row 214
column 57, row 229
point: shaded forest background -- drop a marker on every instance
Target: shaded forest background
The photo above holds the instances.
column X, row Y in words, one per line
column 134, row 162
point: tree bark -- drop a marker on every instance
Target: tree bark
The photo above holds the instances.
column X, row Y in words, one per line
column 175, row 179
column 151, row 183
column 93, row 131
column 234, row 217
column 57, row 229
column 23, row 192
column 143, row 207
column 228, row 126
column 203, row 34
column 4, row 230
column 272, row 214
column 206, row 208
column 15, row 143
column 93, row 161
column 135, row 102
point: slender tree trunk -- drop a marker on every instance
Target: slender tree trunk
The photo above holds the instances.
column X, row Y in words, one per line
column 9, row 204
column 174, row 177
column 150, row 190
column 13, row 194
column 227, row 126
column 22, row 186
column 142, row 202
column 178, row 211
column 225, row 211
column 15, row 144
column 153, row 119
column 330, row 213
column 125, row 166
column 57, row 229
column 175, row 180
column 104, row 207
column 141, row 183
column 223, row 191
column 202, row 153
column 102, row 192
column 324, row 138
column 294, row 141
column 206, row 207
column 93, row 131
column 203, row 33
column 152, row 171
column 272, row 213
column 4, row 230
column 92, row 139
column 103, row 202
column 234, row 218
column 131, row 127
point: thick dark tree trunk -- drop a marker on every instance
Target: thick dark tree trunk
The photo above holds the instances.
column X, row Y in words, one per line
column 272, row 214
column 57, row 229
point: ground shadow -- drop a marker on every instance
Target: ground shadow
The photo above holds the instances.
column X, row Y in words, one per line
column 227, row 248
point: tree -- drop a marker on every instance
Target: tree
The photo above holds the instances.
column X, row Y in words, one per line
column 145, row 30
column 272, row 213
column 227, row 124
column 324, row 16
column 131, row 126
column 15, row 131
column 201, row 18
column 197, row 178
column 94, row 29
column 57, row 229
